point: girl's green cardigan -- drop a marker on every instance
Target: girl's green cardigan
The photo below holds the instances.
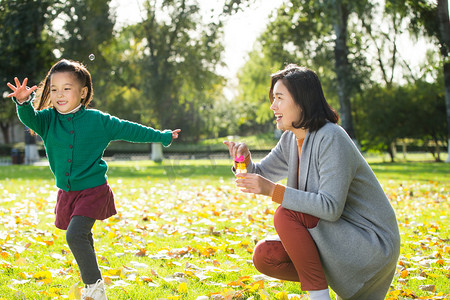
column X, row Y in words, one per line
column 75, row 142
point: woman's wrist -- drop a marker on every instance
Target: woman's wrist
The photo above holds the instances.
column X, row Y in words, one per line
column 272, row 189
column 278, row 193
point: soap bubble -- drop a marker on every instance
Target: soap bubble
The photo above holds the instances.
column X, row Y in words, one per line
column 91, row 56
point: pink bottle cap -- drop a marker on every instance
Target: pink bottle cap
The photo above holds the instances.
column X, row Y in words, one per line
column 240, row 158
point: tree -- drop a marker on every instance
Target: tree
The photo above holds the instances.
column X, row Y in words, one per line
column 179, row 57
column 317, row 32
column 163, row 69
column 383, row 117
column 86, row 32
column 429, row 107
column 433, row 17
column 412, row 111
column 179, row 53
column 25, row 48
column 87, row 26
column 252, row 105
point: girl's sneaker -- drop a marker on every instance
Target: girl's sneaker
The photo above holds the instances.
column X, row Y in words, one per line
column 94, row 291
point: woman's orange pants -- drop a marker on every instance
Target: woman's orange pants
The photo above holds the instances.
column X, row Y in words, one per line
column 296, row 257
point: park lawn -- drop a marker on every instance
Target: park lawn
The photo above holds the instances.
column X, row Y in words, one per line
column 184, row 231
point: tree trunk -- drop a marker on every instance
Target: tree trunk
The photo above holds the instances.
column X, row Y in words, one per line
column 5, row 131
column 404, row 149
column 437, row 150
column 444, row 29
column 391, row 152
column 342, row 68
column 447, row 100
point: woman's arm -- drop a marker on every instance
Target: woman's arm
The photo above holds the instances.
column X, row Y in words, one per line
column 261, row 177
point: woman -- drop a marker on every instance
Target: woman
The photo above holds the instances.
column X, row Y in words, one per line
column 335, row 224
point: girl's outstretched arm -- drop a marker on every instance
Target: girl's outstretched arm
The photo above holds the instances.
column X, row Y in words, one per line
column 21, row 92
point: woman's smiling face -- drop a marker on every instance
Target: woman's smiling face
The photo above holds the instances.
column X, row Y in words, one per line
column 284, row 107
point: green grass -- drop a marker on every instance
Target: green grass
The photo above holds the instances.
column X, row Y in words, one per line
column 183, row 222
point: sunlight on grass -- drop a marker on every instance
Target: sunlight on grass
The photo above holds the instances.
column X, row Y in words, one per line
column 184, row 231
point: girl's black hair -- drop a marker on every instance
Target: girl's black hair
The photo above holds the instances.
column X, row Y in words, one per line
column 65, row 65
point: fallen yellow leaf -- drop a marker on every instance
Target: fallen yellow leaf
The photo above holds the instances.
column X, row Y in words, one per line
column 182, row 288
column 281, row 296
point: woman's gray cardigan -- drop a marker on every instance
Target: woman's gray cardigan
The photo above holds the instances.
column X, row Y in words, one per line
column 357, row 235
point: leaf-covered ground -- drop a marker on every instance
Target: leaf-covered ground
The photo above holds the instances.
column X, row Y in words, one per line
column 183, row 231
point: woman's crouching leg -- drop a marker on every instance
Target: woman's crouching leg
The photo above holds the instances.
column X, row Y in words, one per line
column 270, row 258
column 292, row 228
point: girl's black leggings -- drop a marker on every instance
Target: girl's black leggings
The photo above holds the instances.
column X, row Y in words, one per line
column 80, row 241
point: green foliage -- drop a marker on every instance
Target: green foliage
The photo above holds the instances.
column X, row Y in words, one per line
column 305, row 33
column 386, row 114
column 25, row 49
column 179, row 57
column 382, row 117
column 120, row 93
column 88, row 25
column 320, row 33
column 422, row 13
column 25, row 41
column 254, row 84
column 162, row 71
column 430, row 18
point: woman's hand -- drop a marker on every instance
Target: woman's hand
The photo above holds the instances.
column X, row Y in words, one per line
column 175, row 133
column 237, row 149
column 254, row 183
column 21, row 92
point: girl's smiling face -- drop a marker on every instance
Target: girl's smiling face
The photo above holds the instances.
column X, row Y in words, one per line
column 66, row 91
column 284, row 107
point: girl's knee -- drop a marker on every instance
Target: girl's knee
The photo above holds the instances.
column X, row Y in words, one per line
column 72, row 236
column 79, row 230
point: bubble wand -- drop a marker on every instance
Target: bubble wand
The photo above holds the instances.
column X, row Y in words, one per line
column 240, row 165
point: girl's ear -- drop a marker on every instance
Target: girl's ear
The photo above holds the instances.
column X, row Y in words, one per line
column 84, row 92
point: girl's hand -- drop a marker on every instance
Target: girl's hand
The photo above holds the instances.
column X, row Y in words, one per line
column 175, row 133
column 255, row 183
column 237, row 149
column 21, row 92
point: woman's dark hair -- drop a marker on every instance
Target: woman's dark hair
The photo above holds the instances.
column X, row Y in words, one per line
column 306, row 90
column 64, row 65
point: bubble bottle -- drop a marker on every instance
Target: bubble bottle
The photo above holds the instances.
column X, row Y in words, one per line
column 240, row 165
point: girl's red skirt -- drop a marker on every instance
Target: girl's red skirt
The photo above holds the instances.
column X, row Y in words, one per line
column 96, row 203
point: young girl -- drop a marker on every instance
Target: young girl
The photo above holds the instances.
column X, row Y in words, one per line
column 75, row 138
